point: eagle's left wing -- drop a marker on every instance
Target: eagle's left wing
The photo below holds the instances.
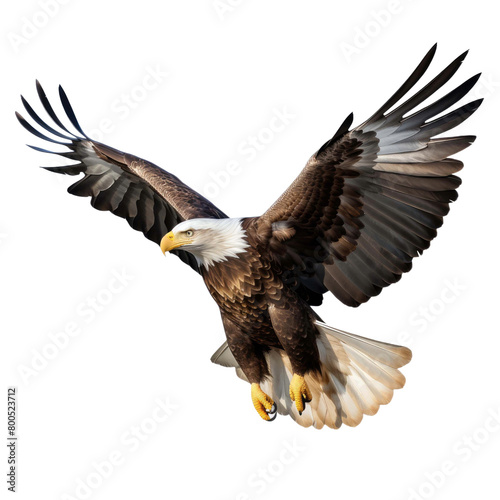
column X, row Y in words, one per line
column 152, row 200
column 371, row 198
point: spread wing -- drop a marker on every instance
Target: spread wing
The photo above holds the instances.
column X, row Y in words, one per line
column 152, row 200
column 371, row 199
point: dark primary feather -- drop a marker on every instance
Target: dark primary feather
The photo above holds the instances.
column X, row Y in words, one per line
column 69, row 111
column 406, row 87
column 371, row 199
column 152, row 200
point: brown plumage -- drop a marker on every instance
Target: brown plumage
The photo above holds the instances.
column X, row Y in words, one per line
column 366, row 203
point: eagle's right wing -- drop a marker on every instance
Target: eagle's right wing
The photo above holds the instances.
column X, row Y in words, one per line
column 152, row 200
column 371, row 198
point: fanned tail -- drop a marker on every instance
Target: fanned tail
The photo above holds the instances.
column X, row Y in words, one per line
column 357, row 376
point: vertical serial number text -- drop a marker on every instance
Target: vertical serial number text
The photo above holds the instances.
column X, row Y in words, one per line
column 11, row 438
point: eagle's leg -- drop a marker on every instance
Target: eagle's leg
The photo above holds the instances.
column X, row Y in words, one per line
column 293, row 323
column 250, row 357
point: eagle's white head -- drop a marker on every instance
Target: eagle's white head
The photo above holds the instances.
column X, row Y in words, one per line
column 209, row 240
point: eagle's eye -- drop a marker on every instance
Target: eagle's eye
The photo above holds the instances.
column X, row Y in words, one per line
column 189, row 233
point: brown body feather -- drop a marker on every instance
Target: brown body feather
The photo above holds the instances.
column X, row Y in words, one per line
column 259, row 312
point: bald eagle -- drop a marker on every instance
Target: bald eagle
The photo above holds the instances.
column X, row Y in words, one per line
column 366, row 203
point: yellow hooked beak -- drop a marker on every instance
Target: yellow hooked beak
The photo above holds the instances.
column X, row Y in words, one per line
column 168, row 242
column 171, row 241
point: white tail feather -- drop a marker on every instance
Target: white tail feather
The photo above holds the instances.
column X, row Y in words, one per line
column 357, row 376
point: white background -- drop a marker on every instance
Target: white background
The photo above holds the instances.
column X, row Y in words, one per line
column 228, row 71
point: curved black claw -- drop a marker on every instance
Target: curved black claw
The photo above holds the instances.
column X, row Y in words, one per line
column 272, row 415
column 304, row 401
column 273, row 412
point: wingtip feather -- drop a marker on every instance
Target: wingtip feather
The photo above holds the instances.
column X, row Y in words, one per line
column 69, row 111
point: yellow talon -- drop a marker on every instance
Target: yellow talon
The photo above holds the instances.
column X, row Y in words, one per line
column 262, row 402
column 299, row 392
